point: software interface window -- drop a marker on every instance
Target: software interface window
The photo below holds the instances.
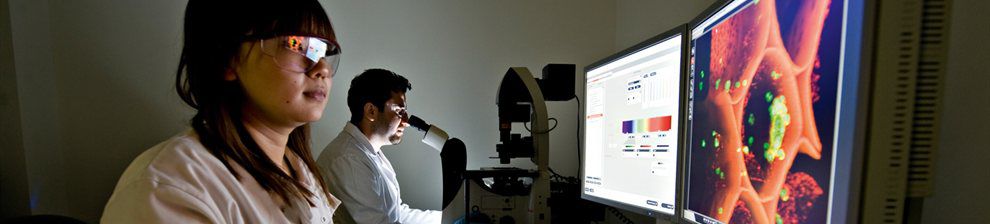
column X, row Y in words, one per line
column 765, row 79
column 631, row 127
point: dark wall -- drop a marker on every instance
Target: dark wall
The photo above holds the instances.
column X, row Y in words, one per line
column 962, row 177
column 13, row 179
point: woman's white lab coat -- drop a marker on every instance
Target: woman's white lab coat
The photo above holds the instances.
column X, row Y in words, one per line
column 179, row 181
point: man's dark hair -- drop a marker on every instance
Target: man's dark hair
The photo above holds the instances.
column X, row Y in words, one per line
column 374, row 86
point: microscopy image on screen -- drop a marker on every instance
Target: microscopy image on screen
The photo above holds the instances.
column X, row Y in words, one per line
column 765, row 79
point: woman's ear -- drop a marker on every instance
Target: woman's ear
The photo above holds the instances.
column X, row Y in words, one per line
column 370, row 111
column 230, row 74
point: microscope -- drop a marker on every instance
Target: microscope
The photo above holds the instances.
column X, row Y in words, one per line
column 510, row 194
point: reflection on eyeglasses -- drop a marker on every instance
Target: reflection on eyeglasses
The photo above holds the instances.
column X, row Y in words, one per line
column 399, row 110
column 300, row 53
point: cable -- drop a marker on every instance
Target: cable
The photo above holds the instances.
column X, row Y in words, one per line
column 548, row 131
column 554, row 124
column 578, row 134
column 561, row 178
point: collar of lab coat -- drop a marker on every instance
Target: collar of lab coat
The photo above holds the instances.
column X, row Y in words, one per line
column 361, row 139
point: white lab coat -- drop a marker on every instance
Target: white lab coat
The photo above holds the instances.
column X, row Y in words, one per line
column 179, row 181
column 365, row 182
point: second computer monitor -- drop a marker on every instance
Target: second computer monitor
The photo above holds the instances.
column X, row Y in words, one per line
column 632, row 125
column 763, row 124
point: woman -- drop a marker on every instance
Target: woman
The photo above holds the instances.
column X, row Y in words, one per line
column 256, row 72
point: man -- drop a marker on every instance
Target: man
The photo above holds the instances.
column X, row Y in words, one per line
column 356, row 170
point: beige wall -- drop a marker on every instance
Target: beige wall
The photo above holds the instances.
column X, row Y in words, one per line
column 637, row 20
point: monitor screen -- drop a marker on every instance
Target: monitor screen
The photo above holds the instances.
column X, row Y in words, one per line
column 632, row 125
column 764, row 112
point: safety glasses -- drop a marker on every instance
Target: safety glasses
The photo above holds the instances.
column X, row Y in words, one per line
column 399, row 110
column 301, row 53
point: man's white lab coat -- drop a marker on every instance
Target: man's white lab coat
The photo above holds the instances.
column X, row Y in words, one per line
column 179, row 181
column 365, row 182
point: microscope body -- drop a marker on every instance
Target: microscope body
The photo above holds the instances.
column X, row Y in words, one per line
column 509, row 194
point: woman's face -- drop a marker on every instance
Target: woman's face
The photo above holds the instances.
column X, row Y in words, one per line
column 278, row 95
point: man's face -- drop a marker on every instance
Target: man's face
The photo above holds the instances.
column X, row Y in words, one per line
column 393, row 120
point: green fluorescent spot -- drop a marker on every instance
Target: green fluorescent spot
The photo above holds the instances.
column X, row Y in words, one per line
column 774, row 75
column 702, row 73
column 703, row 143
column 750, row 140
column 727, row 83
column 701, row 86
column 779, row 220
column 737, row 84
column 714, row 133
column 769, row 155
column 768, row 96
column 716, row 142
column 779, row 120
column 751, row 120
column 783, row 194
column 719, row 210
column 717, row 81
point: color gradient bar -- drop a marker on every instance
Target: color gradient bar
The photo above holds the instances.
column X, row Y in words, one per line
column 627, row 127
column 653, row 124
column 640, row 126
column 659, row 124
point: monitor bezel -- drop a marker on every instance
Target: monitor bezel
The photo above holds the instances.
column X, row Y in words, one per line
column 715, row 7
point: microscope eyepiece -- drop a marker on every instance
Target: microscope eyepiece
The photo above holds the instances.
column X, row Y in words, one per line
column 418, row 123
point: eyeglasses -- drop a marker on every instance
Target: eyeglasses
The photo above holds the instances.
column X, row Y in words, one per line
column 301, row 53
column 399, row 110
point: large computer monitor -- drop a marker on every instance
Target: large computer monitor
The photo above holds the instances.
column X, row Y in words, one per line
column 773, row 86
column 633, row 120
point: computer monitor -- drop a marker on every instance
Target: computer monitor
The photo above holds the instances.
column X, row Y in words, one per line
column 772, row 84
column 633, row 120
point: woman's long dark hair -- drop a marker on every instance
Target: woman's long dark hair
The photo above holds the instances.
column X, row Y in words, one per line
column 213, row 33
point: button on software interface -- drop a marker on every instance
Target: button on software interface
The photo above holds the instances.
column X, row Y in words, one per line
column 631, row 127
